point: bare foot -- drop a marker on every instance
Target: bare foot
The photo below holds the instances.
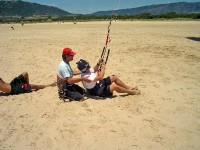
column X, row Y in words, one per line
column 135, row 92
column 134, row 88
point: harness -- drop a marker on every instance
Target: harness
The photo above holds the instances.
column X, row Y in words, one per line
column 72, row 92
column 63, row 92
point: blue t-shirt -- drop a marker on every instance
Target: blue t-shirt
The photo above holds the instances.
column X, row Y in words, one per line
column 64, row 70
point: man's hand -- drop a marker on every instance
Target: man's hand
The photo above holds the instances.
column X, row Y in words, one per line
column 100, row 60
column 103, row 63
column 76, row 72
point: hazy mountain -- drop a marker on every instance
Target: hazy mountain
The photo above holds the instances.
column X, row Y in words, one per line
column 181, row 7
column 22, row 8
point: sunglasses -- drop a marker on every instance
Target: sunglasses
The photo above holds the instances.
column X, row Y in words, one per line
column 71, row 55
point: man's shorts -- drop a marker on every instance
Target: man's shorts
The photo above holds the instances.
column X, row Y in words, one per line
column 19, row 85
column 102, row 88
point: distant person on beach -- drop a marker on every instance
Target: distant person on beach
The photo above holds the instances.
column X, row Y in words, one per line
column 100, row 86
column 67, row 88
column 21, row 84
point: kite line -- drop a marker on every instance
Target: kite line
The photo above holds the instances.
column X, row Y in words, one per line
column 105, row 51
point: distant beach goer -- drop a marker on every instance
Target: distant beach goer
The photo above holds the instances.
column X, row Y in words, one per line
column 21, row 84
column 12, row 27
column 100, row 86
column 67, row 88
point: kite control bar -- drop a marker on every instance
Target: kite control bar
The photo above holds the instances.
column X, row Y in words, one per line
column 103, row 55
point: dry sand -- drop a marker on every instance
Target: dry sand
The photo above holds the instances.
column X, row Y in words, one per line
column 161, row 57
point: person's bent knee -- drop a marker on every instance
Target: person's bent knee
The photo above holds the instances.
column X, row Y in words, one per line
column 25, row 74
column 113, row 77
column 113, row 87
column 76, row 96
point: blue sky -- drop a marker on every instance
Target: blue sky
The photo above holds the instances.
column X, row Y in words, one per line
column 90, row 6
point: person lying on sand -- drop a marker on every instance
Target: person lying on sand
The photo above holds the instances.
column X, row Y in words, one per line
column 21, row 84
column 100, row 86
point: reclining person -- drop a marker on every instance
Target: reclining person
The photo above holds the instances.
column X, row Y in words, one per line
column 21, row 84
column 100, row 86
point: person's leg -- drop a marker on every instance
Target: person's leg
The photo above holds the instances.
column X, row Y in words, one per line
column 69, row 93
column 120, row 89
column 38, row 87
column 75, row 96
column 119, row 82
column 26, row 77
column 34, row 86
column 1, row 81
column 79, row 89
column 5, row 87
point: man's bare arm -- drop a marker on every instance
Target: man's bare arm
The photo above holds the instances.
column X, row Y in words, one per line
column 76, row 80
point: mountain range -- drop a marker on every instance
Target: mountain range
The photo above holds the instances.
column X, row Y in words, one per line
column 179, row 8
column 23, row 8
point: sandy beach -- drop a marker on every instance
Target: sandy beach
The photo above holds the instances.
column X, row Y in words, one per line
column 162, row 58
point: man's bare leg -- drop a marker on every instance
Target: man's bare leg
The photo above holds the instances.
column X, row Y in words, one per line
column 119, row 82
column 38, row 87
column 4, row 87
column 119, row 89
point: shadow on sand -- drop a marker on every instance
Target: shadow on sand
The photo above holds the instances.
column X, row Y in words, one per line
column 88, row 96
column 194, row 38
column 4, row 94
column 103, row 98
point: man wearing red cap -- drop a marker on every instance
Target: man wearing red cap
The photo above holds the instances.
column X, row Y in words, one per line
column 65, row 80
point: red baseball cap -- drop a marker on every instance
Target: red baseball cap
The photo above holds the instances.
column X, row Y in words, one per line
column 68, row 51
